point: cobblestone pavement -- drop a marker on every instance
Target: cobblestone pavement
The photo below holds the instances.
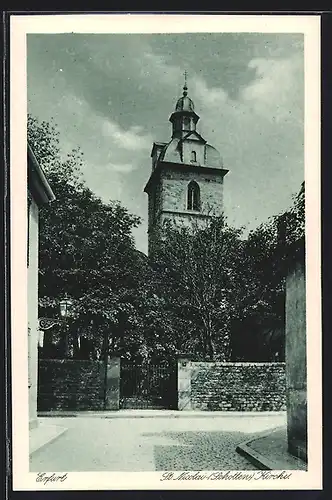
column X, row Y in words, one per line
column 150, row 444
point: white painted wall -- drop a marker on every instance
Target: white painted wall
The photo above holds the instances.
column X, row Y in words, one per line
column 33, row 311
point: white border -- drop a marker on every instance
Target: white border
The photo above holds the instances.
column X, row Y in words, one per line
column 142, row 23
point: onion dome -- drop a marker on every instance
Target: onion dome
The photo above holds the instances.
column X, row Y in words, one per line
column 185, row 103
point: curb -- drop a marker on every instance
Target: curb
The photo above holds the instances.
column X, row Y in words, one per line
column 61, row 431
column 257, row 459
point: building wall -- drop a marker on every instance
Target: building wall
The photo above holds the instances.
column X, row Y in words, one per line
column 168, row 200
column 296, row 364
column 234, row 386
column 32, row 311
column 174, row 185
column 67, row 384
column 193, row 145
column 188, row 219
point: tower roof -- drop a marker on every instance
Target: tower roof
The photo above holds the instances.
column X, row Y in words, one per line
column 185, row 103
column 184, row 106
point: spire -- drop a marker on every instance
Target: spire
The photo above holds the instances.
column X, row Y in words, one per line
column 185, row 103
column 184, row 118
column 185, row 88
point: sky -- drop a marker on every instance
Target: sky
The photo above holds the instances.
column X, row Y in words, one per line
column 111, row 95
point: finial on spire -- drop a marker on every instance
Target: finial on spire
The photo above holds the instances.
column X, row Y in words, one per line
column 185, row 88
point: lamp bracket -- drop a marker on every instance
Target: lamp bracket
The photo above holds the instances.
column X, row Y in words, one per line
column 47, row 323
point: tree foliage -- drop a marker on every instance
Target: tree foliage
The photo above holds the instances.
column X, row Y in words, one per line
column 259, row 329
column 227, row 292
column 86, row 246
column 198, row 266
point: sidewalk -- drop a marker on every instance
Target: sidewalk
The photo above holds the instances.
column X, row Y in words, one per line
column 269, row 452
column 43, row 435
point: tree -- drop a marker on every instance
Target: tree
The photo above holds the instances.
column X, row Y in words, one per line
column 224, row 294
column 197, row 266
column 86, row 246
column 262, row 316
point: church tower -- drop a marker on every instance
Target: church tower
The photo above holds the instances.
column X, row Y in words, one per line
column 186, row 182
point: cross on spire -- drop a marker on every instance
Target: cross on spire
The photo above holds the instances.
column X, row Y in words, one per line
column 185, row 88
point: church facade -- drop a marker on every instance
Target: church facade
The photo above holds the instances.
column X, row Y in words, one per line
column 186, row 182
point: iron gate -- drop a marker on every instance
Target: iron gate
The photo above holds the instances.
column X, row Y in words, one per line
column 148, row 386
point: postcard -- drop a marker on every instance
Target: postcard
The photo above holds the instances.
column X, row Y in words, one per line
column 165, row 252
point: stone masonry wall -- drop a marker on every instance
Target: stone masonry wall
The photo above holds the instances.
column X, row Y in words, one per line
column 71, row 385
column 174, row 190
column 238, row 386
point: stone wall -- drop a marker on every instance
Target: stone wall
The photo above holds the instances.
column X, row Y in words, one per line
column 80, row 385
column 168, row 196
column 237, row 386
column 71, row 385
column 175, row 185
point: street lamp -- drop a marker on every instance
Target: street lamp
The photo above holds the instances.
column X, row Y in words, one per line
column 65, row 306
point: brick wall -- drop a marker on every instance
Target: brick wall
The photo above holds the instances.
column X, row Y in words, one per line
column 70, row 385
column 238, row 386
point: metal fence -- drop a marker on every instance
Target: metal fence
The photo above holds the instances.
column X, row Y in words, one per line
column 148, row 386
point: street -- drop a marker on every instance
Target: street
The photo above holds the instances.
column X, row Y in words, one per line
column 197, row 442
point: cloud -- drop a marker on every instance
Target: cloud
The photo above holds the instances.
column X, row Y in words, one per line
column 131, row 139
column 259, row 134
column 157, row 67
column 211, row 96
column 274, row 92
column 124, row 168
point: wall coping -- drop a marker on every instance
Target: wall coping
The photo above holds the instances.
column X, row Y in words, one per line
column 62, row 361
column 239, row 363
column 208, row 363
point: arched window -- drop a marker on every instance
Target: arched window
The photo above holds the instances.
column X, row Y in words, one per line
column 186, row 122
column 193, row 156
column 194, row 197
